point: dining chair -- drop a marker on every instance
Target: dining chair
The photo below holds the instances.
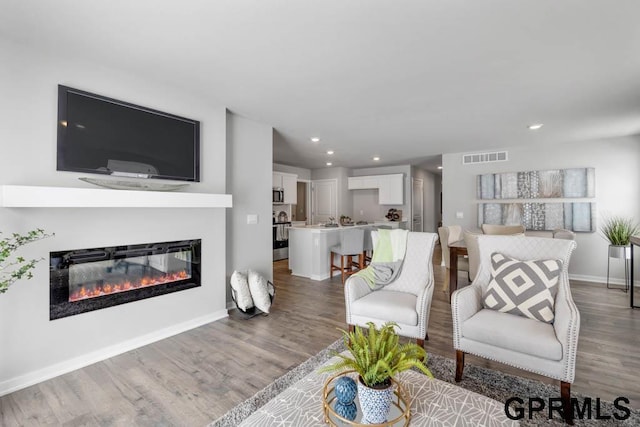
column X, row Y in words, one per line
column 561, row 233
column 502, row 230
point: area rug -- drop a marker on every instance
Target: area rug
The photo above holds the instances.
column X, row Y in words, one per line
column 494, row 384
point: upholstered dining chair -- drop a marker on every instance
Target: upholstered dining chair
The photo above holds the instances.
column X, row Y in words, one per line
column 502, row 230
column 471, row 241
column 543, row 336
column 449, row 234
column 406, row 300
column 561, row 233
column 351, row 245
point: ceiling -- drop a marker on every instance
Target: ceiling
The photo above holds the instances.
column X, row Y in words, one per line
column 405, row 81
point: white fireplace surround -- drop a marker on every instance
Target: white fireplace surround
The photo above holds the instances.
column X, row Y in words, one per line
column 25, row 196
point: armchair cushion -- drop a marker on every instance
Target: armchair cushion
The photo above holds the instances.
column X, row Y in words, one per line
column 516, row 333
column 523, row 288
column 399, row 307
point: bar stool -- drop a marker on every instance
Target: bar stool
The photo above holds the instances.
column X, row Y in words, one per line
column 351, row 244
column 367, row 250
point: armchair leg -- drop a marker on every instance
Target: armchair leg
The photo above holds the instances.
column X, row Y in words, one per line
column 420, row 342
column 565, row 395
column 459, row 365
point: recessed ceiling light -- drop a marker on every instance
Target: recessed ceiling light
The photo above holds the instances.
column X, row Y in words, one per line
column 439, row 167
column 329, row 163
column 315, row 139
column 375, row 159
column 330, row 152
column 535, row 126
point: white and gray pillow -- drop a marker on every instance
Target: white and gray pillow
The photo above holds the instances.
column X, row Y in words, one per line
column 259, row 291
column 240, row 286
column 523, row 288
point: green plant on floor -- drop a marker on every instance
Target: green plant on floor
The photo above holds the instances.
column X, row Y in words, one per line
column 12, row 270
column 377, row 355
column 618, row 230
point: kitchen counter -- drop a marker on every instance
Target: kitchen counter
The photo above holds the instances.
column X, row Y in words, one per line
column 310, row 245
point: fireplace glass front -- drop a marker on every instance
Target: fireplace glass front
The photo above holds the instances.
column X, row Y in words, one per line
column 91, row 279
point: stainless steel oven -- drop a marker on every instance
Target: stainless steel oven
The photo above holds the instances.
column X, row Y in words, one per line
column 281, row 240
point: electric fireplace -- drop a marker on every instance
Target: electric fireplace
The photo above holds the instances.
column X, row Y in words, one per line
column 91, row 279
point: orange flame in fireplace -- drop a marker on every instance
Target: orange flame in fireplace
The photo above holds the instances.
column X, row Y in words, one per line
column 99, row 290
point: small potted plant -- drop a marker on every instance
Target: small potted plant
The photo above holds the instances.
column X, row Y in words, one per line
column 377, row 356
column 618, row 231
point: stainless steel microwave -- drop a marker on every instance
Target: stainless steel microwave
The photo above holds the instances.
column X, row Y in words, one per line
column 278, row 195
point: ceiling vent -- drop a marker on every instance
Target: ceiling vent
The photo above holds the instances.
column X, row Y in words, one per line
column 496, row 156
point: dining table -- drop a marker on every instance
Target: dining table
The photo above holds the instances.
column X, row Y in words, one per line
column 456, row 249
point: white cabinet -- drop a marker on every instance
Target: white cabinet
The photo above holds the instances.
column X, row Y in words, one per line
column 390, row 187
column 362, row 182
column 289, row 182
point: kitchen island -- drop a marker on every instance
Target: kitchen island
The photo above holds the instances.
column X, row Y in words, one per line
column 309, row 247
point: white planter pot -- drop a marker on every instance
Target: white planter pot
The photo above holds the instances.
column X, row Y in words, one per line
column 619, row 251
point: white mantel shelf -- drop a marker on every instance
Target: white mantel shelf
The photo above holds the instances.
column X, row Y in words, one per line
column 25, row 196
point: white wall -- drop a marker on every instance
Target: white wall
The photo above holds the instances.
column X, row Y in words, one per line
column 250, row 246
column 617, row 167
column 32, row 348
column 303, row 174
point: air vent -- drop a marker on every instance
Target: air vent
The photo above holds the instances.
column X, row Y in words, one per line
column 496, row 156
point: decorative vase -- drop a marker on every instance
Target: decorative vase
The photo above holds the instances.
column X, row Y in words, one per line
column 345, row 389
column 348, row 411
column 375, row 403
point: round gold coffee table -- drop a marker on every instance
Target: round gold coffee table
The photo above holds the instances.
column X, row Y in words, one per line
column 399, row 415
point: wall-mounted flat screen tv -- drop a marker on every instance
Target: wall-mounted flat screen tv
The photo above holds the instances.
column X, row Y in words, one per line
column 101, row 135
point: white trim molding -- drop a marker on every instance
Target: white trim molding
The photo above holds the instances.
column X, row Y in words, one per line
column 35, row 377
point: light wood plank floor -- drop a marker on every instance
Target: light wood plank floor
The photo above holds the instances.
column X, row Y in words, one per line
column 193, row 378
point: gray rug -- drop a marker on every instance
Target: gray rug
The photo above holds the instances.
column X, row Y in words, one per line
column 494, row 384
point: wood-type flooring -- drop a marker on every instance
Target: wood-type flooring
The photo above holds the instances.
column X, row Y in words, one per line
column 192, row 378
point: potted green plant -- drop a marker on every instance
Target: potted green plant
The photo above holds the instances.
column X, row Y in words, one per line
column 618, row 231
column 377, row 356
column 12, row 270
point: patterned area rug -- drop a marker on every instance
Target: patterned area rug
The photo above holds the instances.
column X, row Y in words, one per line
column 490, row 383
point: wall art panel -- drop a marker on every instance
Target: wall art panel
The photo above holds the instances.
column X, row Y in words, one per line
column 546, row 184
column 575, row 216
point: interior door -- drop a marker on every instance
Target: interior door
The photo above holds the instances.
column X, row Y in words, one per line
column 324, row 200
column 417, row 197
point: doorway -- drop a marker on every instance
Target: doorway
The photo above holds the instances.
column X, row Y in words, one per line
column 300, row 213
column 324, row 200
column 417, row 199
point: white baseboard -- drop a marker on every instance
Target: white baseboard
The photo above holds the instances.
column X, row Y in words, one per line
column 597, row 280
column 35, row 377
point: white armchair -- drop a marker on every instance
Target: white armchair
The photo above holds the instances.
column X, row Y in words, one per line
column 406, row 301
column 547, row 349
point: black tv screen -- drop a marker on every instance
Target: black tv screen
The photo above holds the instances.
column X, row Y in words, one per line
column 101, row 135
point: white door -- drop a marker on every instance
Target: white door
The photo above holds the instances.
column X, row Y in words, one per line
column 417, row 196
column 324, row 200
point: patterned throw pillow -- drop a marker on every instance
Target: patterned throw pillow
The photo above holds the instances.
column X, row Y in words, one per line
column 524, row 288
